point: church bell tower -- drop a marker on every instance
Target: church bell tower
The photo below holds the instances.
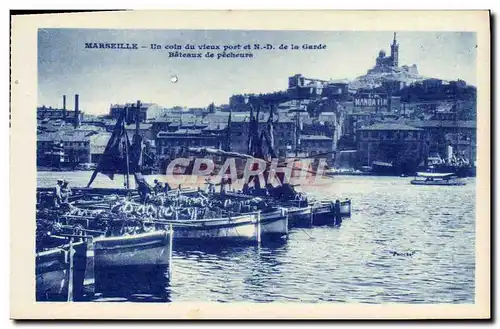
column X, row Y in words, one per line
column 395, row 52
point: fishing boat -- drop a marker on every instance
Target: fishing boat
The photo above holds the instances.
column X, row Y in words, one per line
column 60, row 272
column 345, row 207
column 323, row 213
column 300, row 216
column 239, row 229
column 274, row 224
column 129, row 253
column 445, row 179
column 150, row 248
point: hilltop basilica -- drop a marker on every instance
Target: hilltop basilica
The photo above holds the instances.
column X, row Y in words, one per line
column 389, row 64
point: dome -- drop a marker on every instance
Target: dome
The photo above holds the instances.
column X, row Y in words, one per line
column 381, row 53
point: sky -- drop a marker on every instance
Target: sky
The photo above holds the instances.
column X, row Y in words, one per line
column 105, row 76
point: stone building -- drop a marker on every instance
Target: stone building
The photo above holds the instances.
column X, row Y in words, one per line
column 388, row 64
column 395, row 143
column 145, row 111
column 440, row 134
column 63, row 149
column 317, row 146
column 75, row 117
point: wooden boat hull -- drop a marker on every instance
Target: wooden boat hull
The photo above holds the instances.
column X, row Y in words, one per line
column 240, row 229
column 300, row 217
column 117, row 260
column 345, row 208
column 145, row 249
column 274, row 225
column 52, row 272
column 437, row 183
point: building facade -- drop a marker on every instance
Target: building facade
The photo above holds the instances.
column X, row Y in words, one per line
column 63, row 149
column 317, row 146
column 440, row 135
column 395, row 143
column 75, row 117
column 133, row 110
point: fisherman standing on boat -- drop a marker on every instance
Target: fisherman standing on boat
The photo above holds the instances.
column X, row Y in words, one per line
column 57, row 194
column 65, row 192
column 166, row 188
column 158, row 188
column 144, row 191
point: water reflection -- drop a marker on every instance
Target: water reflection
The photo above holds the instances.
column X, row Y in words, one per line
column 144, row 284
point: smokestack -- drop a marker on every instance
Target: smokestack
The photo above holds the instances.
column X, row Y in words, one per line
column 138, row 117
column 64, row 106
column 77, row 111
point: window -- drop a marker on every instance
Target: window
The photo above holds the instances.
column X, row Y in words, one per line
column 374, row 134
column 390, row 134
column 365, row 134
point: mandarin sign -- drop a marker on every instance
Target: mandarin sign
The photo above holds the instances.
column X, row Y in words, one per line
column 370, row 100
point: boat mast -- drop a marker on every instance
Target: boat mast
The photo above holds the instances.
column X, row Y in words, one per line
column 127, row 176
column 138, row 118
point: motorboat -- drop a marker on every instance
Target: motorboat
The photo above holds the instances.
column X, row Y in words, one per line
column 443, row 179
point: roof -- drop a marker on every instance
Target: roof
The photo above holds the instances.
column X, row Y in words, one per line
column 132, row 105
column 216, row 126
column 64, row 137
column 390, row 126
column 187, row 132
column 180, row 132
column 98, row 142
column 144, row 126
column 315, row 137
column 88, row 128
column 443, row 123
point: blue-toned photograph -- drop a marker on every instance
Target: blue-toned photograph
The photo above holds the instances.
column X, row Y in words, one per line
column 256, row 166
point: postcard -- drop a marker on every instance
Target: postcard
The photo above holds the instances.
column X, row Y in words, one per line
column 250, row 165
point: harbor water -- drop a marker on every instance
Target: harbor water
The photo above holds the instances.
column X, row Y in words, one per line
column 402, row 244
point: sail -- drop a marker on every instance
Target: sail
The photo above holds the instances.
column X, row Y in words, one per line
column 114, row 158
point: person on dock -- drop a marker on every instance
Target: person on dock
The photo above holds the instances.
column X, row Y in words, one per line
column 57, row 193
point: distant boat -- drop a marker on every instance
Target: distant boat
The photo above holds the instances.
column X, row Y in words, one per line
column 444, row 179
column 383, row 168
column 86, row 166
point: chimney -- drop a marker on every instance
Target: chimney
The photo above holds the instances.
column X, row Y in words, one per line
column 77, row 111
column 138, row 117
column 64, row 106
